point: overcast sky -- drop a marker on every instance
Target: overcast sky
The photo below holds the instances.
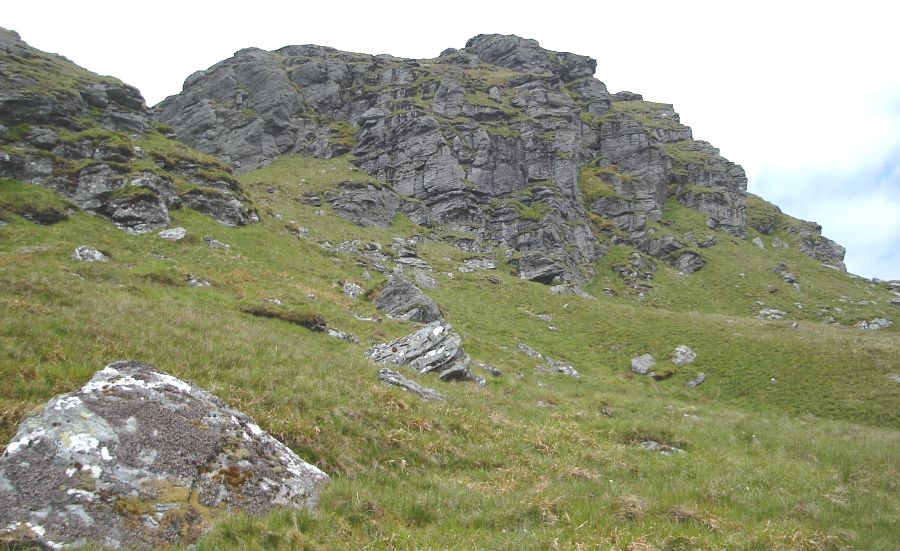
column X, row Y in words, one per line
column 804, row 95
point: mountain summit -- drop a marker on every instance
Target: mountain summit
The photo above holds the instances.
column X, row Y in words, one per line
column 519, row 145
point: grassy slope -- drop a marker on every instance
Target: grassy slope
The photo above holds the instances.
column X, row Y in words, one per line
column 531, row 461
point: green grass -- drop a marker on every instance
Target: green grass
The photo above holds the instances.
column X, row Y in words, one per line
column 594, row 182
column 649, row 114
column 686, row 153
column 808, row 463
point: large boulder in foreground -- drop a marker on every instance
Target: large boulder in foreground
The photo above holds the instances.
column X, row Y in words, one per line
column 140, row 459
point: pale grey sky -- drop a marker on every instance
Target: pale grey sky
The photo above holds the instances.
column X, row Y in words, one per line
column 804, row 95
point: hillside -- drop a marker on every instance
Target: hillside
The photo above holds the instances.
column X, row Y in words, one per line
column 539, row 213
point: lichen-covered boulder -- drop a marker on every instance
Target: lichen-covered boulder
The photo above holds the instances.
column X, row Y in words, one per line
column 140, row 459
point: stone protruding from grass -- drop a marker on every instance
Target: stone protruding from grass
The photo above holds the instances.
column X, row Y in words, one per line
column 683, row 355
column 549, row 365
column 392, row 378
column 696, row 381
column 435, row 348
column 642, row 364
column 140, row 459
column 88, row 254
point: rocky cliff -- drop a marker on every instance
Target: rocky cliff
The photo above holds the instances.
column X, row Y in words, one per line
column 91, row 139
column 519, row 145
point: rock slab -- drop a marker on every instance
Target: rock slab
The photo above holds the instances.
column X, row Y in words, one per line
column 139, row 459
column 392, row 378
column 435, row 348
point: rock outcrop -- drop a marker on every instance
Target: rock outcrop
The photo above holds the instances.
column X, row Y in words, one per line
column 92, row 140
column 516, row 144
column 139, row 459
column 435, row 348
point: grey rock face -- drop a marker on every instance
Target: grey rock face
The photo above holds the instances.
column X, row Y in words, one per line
column 716, row 186
column 642, row 364
column 88, row 254
column 140, row 459
column 814, row 245
column 502, row 160
column 392, row 378
column 220, row 205
column 400, row 299
column 435, row 348
column 366, row 206
column 539, row 268
column 527, row 56
column 623, row 213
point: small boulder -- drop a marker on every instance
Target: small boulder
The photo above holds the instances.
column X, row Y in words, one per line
column 196, row 281
column 140, row 459
column 642, row 364
column 87, row 254
column 172, row 234
column 214, row 243
column 696, row 381
column 683, row 355
column 341, row 335
column 352, row 290
column 770, row 314
column 759, row 243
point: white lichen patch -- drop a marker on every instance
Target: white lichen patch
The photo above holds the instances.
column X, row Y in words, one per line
column 110, row 377
column 254, row 428
column 25, row 440
column 67, row 403
column 80, row 443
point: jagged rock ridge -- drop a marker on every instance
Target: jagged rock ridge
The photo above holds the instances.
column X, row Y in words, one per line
column 516, row 144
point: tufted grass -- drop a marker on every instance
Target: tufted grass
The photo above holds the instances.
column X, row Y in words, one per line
column 530, row 461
